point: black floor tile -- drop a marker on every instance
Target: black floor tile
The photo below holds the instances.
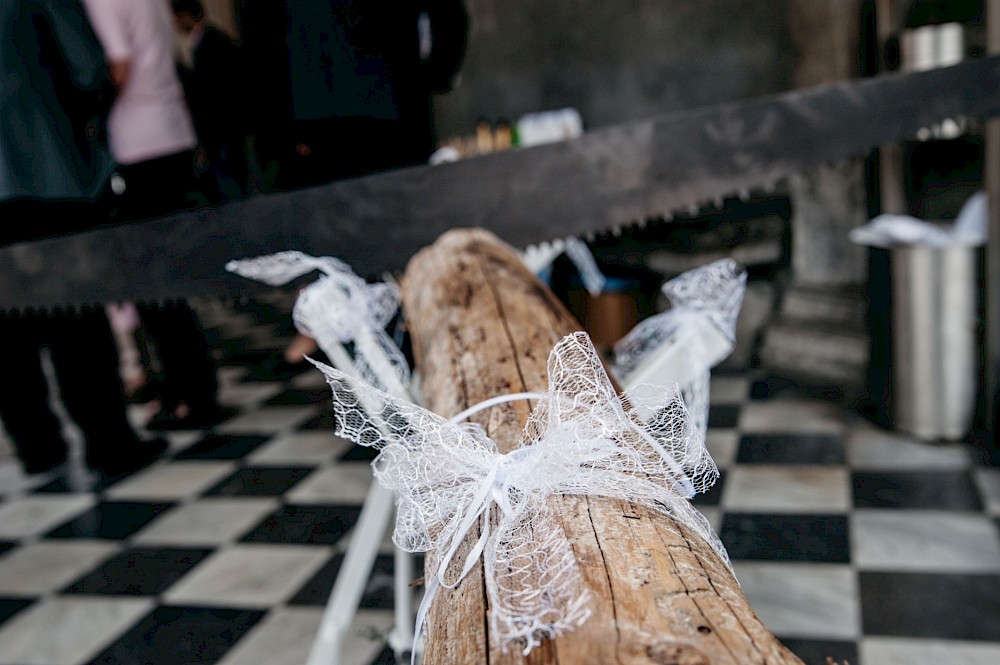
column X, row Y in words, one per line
column 816, row 652
column 237, row 352
column 260, row 481
column 927, row 605
column 94, row 482
column 218, row 446
column 714, row 493
column 771, row 386
column 11, row 606
column 723, row 415
column 927, row 490
column 274, row 368
column 377, row 595
column 324, row 421
column 173, row 635
column 139, row 571
column 263, row 313
column 115, row 520
column 320, row 525
column 786, row 537
column 295, row 397
column 387, row 657
column 359, row 454
column 791, row 449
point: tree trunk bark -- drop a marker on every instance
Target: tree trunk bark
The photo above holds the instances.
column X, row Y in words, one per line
column 482, row 326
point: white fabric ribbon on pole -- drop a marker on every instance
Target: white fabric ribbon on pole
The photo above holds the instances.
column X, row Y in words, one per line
column 581, row 438
column 682, row 344
column 339, row 308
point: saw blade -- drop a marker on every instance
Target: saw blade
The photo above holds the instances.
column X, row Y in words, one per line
column 606, row 178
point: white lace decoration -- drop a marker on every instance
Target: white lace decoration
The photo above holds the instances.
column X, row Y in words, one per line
column 696, row 333
column 581, row 438
column 339, row 308
column 583, row 259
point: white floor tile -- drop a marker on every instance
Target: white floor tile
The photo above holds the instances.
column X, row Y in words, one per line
column 729, row 389
column 249, row 576
column 67, row 631
column 988, row 482
column 787, row 489
column 310, row 380
column 722, row 446
column 50, row 565
column 897, row 651
column 300, row 448
column 792, row 416
column 344, row 483
column 207, row 522
column 33, row 515
column 285, row 635
column 14, row 480
column 367, row 636
column 268, row 419
column 806, row 600
column 713, row 515
column 231, row 374
column 935, row 542
column 870, row 448
column 173, row 480
column 244, row 395
column 182, row 439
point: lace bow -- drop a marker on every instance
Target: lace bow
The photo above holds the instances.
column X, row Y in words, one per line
column 338, row 308
column 701, row 322
column 581, row 438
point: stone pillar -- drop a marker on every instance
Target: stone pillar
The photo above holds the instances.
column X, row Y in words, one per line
column 820, row 335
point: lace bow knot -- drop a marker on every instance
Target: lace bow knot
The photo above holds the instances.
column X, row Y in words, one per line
column 581, row 438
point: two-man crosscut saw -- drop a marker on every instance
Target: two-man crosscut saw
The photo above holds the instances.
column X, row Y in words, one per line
column 609, row 177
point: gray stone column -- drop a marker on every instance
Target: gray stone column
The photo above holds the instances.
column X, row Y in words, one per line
column 819, row 336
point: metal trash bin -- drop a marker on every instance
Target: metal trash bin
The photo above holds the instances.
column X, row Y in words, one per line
column 935, row 354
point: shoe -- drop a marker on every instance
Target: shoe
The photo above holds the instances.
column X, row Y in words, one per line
column 184, row 416
column 129, row 458
column 145, row 392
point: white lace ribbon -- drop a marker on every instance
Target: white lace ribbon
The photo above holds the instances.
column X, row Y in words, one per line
column 695, row 334
column 581, row 438
column 339, row 308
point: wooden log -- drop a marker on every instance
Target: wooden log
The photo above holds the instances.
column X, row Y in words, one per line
column 482, row 326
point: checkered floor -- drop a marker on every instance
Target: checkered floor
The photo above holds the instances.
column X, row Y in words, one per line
column 850, row 541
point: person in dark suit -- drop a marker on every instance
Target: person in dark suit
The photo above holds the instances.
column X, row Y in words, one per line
column 345, row 85
column 215, row 83
column 55, row 165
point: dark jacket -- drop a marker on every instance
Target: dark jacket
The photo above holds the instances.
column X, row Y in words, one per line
column 54, row 97
column 217, row 91
column 323, row 59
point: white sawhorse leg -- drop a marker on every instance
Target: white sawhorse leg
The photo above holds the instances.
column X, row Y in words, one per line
column 353, row 577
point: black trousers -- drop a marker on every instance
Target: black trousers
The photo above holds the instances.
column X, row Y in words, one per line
column 85, row 359
column 152, row 188
column 188, row 373
column 157, row 187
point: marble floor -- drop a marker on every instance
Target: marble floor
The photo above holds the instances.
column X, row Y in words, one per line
column 850, row 541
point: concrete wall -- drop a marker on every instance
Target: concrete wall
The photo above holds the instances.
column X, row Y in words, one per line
column 617, row 60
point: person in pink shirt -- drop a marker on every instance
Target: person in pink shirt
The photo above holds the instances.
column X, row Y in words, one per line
column 150, row 130
column 153, row 140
